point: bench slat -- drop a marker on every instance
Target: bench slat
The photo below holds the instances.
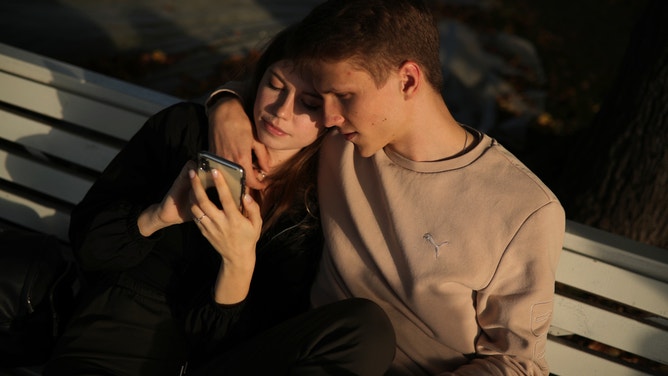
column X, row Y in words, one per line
column 613, row 283
column 75, row 109
column 617, row 250
column 43, row 178
column 87, row 83
column 567, row 361
column 106, row 107
column 33, row 215
column 43, row 137
column 611, row 329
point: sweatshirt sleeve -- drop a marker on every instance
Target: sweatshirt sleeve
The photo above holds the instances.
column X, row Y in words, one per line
column 103, row 228
column 235, row 88
column 514, row 311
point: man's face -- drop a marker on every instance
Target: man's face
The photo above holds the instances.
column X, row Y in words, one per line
column 368, row 116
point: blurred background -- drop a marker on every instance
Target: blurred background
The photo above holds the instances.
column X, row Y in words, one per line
column 548, row 79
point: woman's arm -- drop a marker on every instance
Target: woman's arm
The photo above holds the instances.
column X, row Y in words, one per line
column 104, row 228
column 172, row 210
column 232, row 234
column 218, row 314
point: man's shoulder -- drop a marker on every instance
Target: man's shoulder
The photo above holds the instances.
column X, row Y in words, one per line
column 494, row 171
column 511, row 174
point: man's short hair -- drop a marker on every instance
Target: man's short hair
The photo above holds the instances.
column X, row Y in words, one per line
column 375, row 35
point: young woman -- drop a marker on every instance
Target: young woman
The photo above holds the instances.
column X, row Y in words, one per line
column 173, row 280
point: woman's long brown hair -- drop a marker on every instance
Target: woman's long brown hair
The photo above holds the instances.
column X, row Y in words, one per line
column 292, row 187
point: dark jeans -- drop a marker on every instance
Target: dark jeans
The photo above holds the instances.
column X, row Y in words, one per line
column 349, row 337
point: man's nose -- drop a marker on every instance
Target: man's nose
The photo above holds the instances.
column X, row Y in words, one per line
column 333, row 119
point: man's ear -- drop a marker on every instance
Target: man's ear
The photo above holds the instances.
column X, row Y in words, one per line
column 411, row 77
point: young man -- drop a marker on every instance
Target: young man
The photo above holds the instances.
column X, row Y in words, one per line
column 439, row 224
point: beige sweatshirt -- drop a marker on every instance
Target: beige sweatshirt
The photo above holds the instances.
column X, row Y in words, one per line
column 461, row 254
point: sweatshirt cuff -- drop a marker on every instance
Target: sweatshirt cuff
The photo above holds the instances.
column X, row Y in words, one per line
column 231, row 88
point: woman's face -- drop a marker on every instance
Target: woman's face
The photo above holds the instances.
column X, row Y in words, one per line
column 288, row 111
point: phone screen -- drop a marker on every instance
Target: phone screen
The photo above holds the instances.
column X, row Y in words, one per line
column 233, row 173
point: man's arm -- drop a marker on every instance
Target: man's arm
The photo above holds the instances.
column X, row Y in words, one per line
column 231, row 133
column 515, row 309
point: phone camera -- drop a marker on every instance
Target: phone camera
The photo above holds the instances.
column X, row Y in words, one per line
column 204, row 165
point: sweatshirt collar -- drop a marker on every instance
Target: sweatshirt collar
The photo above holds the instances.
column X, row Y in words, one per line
column 484, row 142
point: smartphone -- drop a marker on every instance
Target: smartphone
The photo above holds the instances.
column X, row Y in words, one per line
column 233, row 173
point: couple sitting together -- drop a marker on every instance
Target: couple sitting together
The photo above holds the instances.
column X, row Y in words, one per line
column 378, row 235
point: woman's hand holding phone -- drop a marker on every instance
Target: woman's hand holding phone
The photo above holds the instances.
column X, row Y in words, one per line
column 233, row 235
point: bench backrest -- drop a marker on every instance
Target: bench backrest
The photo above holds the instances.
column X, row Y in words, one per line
column 60, row 125
column 611, row 304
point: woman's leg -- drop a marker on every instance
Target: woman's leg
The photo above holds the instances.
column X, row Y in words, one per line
column 349, row 337
column 124, row 329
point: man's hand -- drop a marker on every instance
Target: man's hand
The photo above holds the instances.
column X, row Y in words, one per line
column 231, row 137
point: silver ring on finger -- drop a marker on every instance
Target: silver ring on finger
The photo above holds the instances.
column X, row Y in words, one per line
column 198, row 220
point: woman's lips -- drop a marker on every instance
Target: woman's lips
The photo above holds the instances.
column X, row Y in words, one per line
column 273, row 129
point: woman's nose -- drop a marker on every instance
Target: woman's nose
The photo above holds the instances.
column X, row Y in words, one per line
column 284, row 107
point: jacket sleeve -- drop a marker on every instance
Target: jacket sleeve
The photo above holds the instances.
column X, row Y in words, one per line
column 514, row 311
column 211, row 327
column 279, row 290
column 103, row 228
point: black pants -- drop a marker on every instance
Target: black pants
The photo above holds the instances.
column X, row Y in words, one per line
column 350, row 337
column 124, row 329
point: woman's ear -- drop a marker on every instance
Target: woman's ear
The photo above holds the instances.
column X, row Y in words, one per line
column 411, row 77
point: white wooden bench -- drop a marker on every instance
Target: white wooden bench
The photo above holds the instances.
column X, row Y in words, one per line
column 60, row 125
column 613, row 291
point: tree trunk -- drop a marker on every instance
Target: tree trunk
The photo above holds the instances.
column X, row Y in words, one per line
column 616, row 178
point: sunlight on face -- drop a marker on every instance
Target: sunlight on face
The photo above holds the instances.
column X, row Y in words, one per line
column 369, row 116
column 287, row 110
